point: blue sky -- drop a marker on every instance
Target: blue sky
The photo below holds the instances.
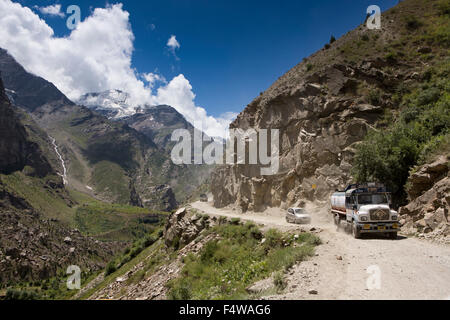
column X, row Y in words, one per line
column 230, row 50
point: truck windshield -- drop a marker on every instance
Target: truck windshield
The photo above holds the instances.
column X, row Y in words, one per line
column 372, row 199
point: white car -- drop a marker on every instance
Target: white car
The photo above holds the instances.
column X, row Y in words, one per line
column 298, row 215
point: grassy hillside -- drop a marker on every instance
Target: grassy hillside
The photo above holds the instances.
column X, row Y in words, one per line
column 418, row 127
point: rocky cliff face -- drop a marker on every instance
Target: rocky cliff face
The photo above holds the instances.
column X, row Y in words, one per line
column 16, row 149
column 323, row 107
column 12, row 137
column 320, row 118
column 429, row 193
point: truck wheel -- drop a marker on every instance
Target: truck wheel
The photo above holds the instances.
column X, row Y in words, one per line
column 393, row 235
column 337, row 221
column 356, row 233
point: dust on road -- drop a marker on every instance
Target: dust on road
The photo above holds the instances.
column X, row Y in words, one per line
column 347, row 268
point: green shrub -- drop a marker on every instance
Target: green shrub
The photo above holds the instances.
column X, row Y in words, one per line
column 179, row 291
column 279, row 281
column 274, row 239
column 374, row 97
column 391, row 57
column 332, row 39
column 235, row 221
column 413, row 23
column 421, row 128
column 110, row 268
column 13, row 294
column 444, row 7
column 224, row 268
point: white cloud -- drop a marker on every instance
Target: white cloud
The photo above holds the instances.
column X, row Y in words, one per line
column 178, row 93
column 53, row 10
column 95, row 57
column 153, row 78
column 173, row 43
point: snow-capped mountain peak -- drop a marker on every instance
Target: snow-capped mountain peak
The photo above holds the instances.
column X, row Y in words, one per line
column 112, row 103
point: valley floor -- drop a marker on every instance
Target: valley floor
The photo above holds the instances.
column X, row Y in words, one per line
column 344, row 268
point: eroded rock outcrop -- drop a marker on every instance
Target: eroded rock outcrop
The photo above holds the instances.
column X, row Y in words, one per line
column 183, row 226
column 320, row 121
column 429, row 192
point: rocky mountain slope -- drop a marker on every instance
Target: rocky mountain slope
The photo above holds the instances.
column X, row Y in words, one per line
column 33, row 247
column 156, row 123
column 327, row 104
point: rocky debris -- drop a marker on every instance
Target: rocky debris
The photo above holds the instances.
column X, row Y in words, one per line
column 429, row 191
column 314, row 292
column 33, row 248
column 261, row 286
column 183, row 226
column 152, row 287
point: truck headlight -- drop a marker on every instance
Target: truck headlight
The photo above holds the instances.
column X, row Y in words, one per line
column 394, row 218
column 364, row 218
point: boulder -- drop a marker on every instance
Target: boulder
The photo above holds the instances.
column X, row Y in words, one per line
column 429, row 192
column 182, row 227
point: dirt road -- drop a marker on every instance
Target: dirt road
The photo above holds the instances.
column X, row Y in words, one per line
column 347, row 268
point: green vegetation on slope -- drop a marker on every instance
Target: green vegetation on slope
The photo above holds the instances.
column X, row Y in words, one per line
column 411, row 137
column 52, row 203
column 104, row 221
column 116, row 222
column 148, row 249
column 225, row 267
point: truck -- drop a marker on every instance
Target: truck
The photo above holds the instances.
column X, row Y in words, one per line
column 365, row 208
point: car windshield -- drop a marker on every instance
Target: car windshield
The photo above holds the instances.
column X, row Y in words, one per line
column 379, row 198
column 299, row 211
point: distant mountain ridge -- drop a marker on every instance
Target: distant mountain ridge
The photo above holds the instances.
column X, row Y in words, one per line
column 106, row 159
column 113, row 157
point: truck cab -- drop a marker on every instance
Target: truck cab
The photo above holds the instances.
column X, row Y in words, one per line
column 366, row 208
